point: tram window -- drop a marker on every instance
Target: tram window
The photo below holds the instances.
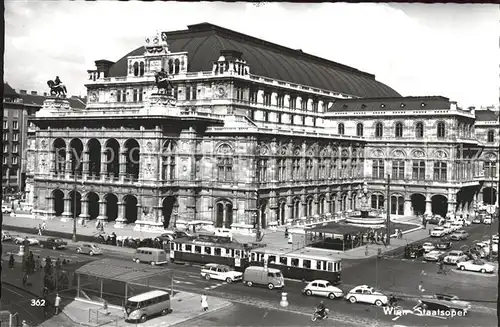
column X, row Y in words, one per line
column 230, row 252
column 294, row 262
column 208, row 250
column 271, row 259
column 218, row 251
column 306, row 264
column 172, row 246
column 330, row 266
column 189, row 248
column 320, row 264
column 254, row 256
column 237, row 253
column 197, row 249
column 283, row 260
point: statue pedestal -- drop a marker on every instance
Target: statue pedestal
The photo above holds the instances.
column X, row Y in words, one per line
column 52, row 106
column 161, row 104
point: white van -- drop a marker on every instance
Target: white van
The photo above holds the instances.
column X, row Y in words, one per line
column 150, row 255
column 141, row 307
column 272, row 278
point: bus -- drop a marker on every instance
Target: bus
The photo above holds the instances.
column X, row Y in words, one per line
column 210, row 249
column 298, row 265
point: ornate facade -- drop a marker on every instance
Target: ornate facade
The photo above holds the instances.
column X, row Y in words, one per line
column 247, row 134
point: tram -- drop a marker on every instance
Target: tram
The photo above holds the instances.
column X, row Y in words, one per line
column 211, row 249
column 301, row 266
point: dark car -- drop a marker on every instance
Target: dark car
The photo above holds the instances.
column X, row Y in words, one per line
column 434, row 220
column 179, row 234
column 414, row 251
column 54, row 243
column 444, row 245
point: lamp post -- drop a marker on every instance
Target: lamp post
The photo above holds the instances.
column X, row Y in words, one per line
column 74, row 207
column 388, row 222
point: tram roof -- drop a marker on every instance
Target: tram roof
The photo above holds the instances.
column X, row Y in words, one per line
column 304, row 253
column 228, row 245
column 336, row 228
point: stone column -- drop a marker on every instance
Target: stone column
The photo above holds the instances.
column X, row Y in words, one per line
column 408, row 210
column 102, row 211
column 50, row 207
column 120, row 221
column 104, row 166
column 288, row 212
column 67, row 164
column 123, row 166
column 67, row 214
column 428, row 206
column 85, row 167
column 85, row 209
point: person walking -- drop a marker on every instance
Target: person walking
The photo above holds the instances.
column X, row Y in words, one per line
column 204, row 302
column 57, row 302
column 25, row 279
column 11, row 261
column 37, row 263
column 44, row 225
column 39, row 230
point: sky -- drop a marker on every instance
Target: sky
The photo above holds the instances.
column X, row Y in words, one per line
column 417, row 49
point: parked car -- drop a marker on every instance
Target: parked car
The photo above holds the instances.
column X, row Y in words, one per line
column 444, row 245
column 322, row 288
column 438, row 232
column 459, row 235
column 445, row 303
column 428, row 246
column 454, row 257
column 464, row 222
column 6, row 236
column 434, row 255
column 487, row 220
column 457, row 225
column 476, row 220
column 166, row 237
column 6, row 209
column 53, row 243
column 476, row 265
column 19, row 240
column 88, row 248
column 366, row 294
column 414, row 251
column 220, row 272
column 179, row 234
column 435, row 220
column 447, row 228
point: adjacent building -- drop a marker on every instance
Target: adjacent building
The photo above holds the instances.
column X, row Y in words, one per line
column 249, row 132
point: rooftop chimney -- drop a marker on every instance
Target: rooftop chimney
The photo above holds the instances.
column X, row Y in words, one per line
column 23, row 92
column 33, row 93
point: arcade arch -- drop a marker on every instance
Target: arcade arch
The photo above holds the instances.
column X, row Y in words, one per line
column 439, row 205
column 168, row 205
column 418, row 203
column 94, row 148
column 281, row 211
column 76, row 203
column 76, row 148
column 132, row 157
column 263, row 213
column 130, row 202
column 112, row 207
column 490, row 195
column 93, row 205
column 59, row 146
column 58, row 202
column 296, row 208
column 112, row 157
column 309, row 204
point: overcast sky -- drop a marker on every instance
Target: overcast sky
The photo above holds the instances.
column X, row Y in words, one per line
column 417, row 49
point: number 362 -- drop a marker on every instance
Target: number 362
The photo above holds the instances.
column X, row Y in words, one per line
column 37, row 302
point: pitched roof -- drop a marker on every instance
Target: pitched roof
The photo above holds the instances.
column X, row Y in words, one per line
column 37, row 100
column 391, row 103
column 486, row 115
column 118, row 270
column 8, row 90
column 203, row 42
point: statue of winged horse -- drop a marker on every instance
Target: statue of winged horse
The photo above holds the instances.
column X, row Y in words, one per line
column 57, row 90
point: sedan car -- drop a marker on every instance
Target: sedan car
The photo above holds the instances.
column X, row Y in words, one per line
column 476, row 265
column 448, row 228
column 428, row 246
column 454, row 257
column 413, row 251
column 459, row 235
column 366, row 294
column 434, row 255
column 443, row 245
column 31, row 241
column 322, row 288
column 6, row 236
column 476, row 220
column 220, row 272
column 438, row 232
column 487, row 221
column 88, row 248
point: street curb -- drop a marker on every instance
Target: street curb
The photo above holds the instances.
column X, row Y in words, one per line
column 229, row 303
column 21, row 289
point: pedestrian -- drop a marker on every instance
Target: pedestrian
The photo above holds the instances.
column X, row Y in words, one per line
column 204, row 302
column 11, row 261
column 37, row 263
column 25, row 279
column 58, row 264
column 105, row 307
column 97, row 225
column 39, row 230
column 102, row 227
column 57, row 302
column 25, row 324
column 44, row 225
column 286, row 232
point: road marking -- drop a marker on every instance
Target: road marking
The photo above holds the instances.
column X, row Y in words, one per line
column 182, row 282
column 214, row 286
column 11, row 290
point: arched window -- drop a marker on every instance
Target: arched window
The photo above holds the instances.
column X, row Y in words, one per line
column 399, row 130
column 170, row 66
column 177, row 66
column 341, row 129
column 419, row 130
column 379, row 130
column 441, row 132
column 491, row 136
column 141, row 68
column 359, row 129
column 136, row 69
